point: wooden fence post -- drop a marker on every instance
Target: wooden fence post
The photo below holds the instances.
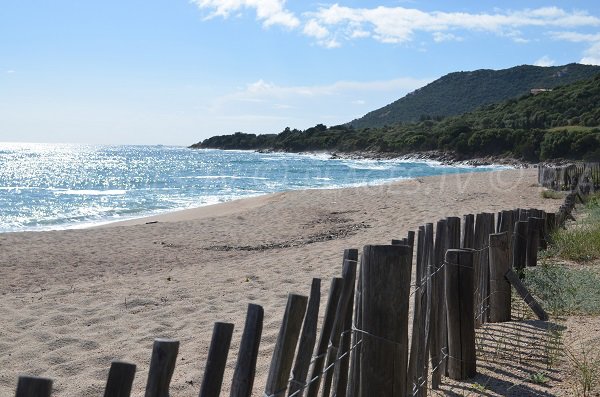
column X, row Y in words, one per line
column 354, row 381
column 452, row 232
column 533, row 240
column 484, row 226
column 500, row 292
column 285, row 347
column 514, row 280
column 417, row 303
column 332, row 302
column 386, row 288
column 120, row 379
column 461, row 324
column 307, row 338
column 418, row 384
column 519, row 246
column 438, row 339
column 348, row 277
column 33, row 386
column 216, row 360
column 162, row 365
column 468, row 232
column 341, row 375
column 245, row 368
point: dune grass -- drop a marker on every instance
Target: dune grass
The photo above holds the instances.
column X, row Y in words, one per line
column 552, row 194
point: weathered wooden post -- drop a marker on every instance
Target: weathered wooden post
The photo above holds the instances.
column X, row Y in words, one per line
column 484, row 226
column 162, row 365
column 348, row 277
column 468, row 232
column 461, row 324
column 419, row 373
column 342, row 367
column 332, row 302
column 500, row 292
column 519, row 259
column 120, row 379
column 416, row 345
column 245, row 368
column 217, row 359
column 533, row 240
column 285, row 347
column 452, row 232
column 439, row 337
column 354, row 384
column 307, row 338
column 514, row 280
column 385, row 288
column 33, row 386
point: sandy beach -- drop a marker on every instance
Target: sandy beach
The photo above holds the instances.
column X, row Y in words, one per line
column 74, row 300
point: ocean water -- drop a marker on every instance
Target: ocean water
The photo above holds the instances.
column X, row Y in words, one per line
column 61, row 186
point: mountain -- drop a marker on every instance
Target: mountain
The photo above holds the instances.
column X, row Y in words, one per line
column 462, row 92
column 562, row 123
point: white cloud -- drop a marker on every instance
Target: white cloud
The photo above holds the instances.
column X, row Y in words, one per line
column 544, row 61
column 575, row 37
column 359, row 102
column 591, row 55
column 400, row 24
column 439, row 37
column 10, row 71
column 270, row 12
column 314, row 29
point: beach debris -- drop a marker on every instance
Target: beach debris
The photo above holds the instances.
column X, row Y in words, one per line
column 332, row 234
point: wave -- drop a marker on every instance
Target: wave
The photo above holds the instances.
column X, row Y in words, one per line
column 223, row 177
column 90, row 192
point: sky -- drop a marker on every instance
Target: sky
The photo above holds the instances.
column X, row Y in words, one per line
column 175, row 72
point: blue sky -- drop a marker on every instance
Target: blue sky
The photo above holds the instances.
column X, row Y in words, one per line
column 178, row 71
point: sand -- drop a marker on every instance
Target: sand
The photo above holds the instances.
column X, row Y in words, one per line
column 74, row 300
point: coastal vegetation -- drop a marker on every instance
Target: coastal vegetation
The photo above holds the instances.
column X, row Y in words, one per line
column 562, row 123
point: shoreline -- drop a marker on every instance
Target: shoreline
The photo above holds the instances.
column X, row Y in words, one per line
column 174, row 213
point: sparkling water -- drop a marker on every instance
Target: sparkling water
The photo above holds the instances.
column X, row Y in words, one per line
column 60, row 186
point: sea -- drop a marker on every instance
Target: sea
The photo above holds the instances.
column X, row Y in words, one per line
column 66, row 186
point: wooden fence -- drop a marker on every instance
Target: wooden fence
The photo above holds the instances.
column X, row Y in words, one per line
column 464, row 269
column 583, row 176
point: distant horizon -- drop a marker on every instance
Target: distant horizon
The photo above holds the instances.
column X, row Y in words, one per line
column 175, row 73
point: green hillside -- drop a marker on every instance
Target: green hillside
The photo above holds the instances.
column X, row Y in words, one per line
column 461, row 92
column 563, row 123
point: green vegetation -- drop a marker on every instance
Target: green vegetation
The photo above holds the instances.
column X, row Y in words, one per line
column 539, row 378
column 552, row 194
column 558, row 124
column 581, row 241
column 586, row 367
column 462, row 92
column 565, row 290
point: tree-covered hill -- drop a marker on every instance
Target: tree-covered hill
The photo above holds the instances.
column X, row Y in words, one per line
column 563, row 123
column 461, row 92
